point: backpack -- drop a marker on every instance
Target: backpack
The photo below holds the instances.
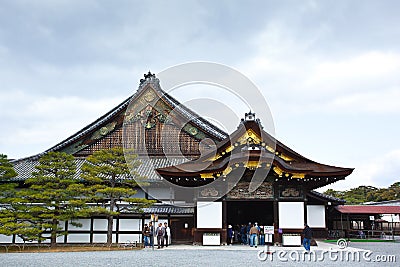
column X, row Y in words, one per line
column 160, row 231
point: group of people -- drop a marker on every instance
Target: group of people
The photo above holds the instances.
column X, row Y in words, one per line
column 251, row 234
column 161, row 232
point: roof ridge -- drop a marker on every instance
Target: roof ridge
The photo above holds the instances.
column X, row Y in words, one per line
column 153, row 81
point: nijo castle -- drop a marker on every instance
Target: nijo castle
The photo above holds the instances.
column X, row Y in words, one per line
column 216, row 167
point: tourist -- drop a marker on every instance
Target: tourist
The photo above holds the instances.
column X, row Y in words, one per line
column 253, row 235
column 151, row 234
column 248, row 232
column 167, row 234
column 160, row 232
column 307, row 237
column 146, row 235
column 230, row 235
column 262, row 236
column 243, row 234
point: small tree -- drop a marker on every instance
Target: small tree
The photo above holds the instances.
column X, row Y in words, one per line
column 6, row 169
column 13, row 211
column 110, row 179
column 54, row 194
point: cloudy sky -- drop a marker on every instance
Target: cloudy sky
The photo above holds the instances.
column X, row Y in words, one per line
column 329, row 70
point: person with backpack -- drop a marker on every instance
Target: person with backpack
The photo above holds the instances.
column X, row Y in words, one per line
column 160, row 232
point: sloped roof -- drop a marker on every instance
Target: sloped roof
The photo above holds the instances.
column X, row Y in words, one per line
column 24, row 168
column 325, row 197
column 361, row 209
column 153, row 82
column 230, row 153
column 168, row 209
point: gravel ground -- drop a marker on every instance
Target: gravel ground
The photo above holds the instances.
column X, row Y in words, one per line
column 192, row 257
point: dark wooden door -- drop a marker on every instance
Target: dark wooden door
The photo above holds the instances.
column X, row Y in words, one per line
column 182, row 229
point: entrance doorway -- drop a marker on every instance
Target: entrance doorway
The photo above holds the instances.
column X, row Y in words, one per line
column 181, row 230
column 243, row 212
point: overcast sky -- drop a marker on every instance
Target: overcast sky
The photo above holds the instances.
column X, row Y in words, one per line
column 329, row 70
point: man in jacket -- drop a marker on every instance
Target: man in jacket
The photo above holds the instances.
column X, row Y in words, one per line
column 160, row 232
column 253, row 235
column 307, row 237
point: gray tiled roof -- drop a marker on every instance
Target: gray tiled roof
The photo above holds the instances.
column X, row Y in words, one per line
column 327, row 197
column 168, row 209
column 24, row 168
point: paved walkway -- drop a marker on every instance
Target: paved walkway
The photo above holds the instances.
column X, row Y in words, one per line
column 320, row 246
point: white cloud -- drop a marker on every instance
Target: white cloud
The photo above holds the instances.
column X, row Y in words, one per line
column 380, row 171
column 385, row 101
column 358, row 72
column 43, row 121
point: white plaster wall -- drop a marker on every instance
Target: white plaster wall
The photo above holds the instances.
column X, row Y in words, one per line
column 5, row 239
column 130, row 224
column 291, row 215
column 85, row 225
column 123, row 238
column 209, row 215
column 316, row 216
column 78, row 238
column 101, row 224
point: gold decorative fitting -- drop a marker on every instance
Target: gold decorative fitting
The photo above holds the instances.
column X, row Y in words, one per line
column 270, row 149
column 206, row 175
column 278, row 171
column 250, row 135
column 287, row 174
column 285, row 158
column 298, row 175
column 229, row 149
column 223, row 152
column 149, row 96
column 227, row 171
column 217, row 156
column 252, row 164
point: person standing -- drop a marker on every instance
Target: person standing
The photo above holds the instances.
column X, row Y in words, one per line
column 307, row 237
column 230, row 235
column 253, row 236
column 146, row 235
column 167, row 235
column 151, row 234
column 160, row 232
column 248, row 232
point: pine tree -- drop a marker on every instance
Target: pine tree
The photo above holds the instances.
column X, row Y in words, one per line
column 14, row 219
column 6, row 169
column 113, row 180
column 54, row 194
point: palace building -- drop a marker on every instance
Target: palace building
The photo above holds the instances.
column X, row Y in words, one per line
column 203, row 178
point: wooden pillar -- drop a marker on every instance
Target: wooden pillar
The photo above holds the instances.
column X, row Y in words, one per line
column 305, row 211
column 91, row 229
column 224, row 214
column 276, row 222
column 117, row 230
column 224, row 235
column 66, row 230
